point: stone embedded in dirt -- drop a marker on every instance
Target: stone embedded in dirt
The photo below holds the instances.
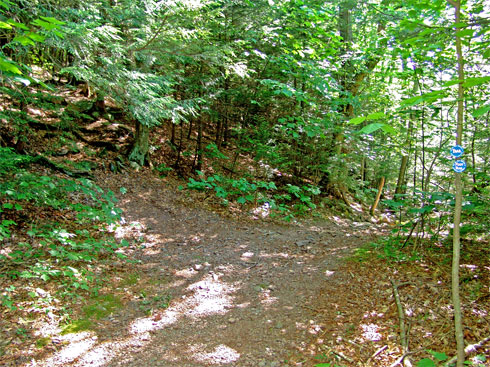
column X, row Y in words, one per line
column 303, row 243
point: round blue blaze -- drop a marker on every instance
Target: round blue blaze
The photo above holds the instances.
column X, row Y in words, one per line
column 457, row 151
column 459, row 166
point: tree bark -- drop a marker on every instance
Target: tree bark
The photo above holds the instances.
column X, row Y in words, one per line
column 378, row 196
column 141, row 145
column 458, row 318
column 401, row 175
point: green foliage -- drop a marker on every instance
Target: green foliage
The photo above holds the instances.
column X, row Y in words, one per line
column 21, row 36
column 102, row 306
column 53, row 249
column 163, row 169
column 77, row 326
column 388, row 248
column 287, row 202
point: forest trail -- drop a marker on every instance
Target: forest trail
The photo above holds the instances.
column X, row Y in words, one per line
column 242, row 293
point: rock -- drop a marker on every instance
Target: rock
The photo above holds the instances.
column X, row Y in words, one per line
column 302, row 243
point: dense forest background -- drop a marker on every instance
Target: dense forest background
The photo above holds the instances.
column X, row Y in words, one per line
column 275, row 108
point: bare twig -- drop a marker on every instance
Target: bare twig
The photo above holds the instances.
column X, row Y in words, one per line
column 155, row 35
column 338, row 354
column 401, row 359
column 403, row 329
column 378, row 352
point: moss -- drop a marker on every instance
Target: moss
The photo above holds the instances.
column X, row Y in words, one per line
column 102, row 306
column 129, row 280
column 42, row 342
column 77, row 326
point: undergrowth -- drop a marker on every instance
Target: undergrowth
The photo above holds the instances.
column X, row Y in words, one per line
column 52, row 233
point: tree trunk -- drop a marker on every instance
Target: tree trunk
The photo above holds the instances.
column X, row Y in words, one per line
column 458, row 318
column 378, row 196
column 401, row 175
column 140, row 149
column 198, row 157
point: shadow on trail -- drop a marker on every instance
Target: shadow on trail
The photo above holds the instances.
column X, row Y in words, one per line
column 242, row 292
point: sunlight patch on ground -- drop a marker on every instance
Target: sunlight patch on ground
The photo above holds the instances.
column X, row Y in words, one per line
column 282, row 255
column 186, row 273
column 247, row 255
column 147, row 324
column 266, row 298
column 370, row 332
column 209, row 296
column 79, row 344
column 222, row 354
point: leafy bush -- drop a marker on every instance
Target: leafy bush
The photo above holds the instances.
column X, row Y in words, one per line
column 58, row 227
column 295, row 200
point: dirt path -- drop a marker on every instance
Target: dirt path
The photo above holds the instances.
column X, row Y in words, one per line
column 242, row 293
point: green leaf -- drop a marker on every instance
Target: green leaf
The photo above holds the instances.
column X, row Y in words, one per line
column 45, row 277
column 5, row 4
column 36, row 37
column 375, row 116
column 43, row 24
column 389, row 129
column 465, row 33
column 426, row 362
column 481, row 111
column 8, row 205
column 471, row 82
column 241, row 200
column 368, row 129
column 123, row 190
column 23, row 40
column 357, row 120
column 53, row 20
column 439, row 356
column 427, row 97
column 18, row 25
column 7, row 66
column 4, row 25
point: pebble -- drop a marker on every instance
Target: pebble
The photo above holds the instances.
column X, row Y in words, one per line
column 231, row 320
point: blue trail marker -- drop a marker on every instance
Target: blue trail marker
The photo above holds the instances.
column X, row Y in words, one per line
column 457, row 151
column 459, row 166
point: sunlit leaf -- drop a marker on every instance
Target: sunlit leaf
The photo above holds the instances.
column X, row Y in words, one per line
column 471, row 82
column 426, row 362
column 368, row 129
column 481, row 111
column 7, row 66
column 439, row 356
column 53, row 20
column 357, row 120
column 18, row 25
column 36, row 37
column 24, row 41
column 388, row 129
column 465, row 33
column 376, row 116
